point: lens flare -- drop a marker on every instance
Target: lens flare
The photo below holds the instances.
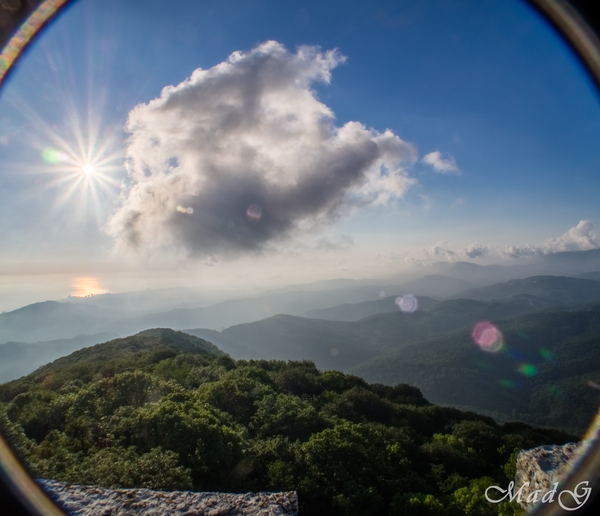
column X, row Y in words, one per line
column 254, row 212
column 83, row 170
column 527, row 369
column 407, row 303
column 593, row 385
column 487, row 336
column 53, row 156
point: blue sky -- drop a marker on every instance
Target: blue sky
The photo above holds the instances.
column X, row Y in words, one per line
column 486, row 83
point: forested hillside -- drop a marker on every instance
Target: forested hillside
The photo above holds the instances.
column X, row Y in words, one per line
column 544, row 372
column 341, row 345
column 20, row 358
column 166, row 410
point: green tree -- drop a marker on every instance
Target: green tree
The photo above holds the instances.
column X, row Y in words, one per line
column 208, row 441
column 286, row 415
column 351, row 467
column 175, row 370
column 237, row 396
column 418, row 504
column 471, row 501
column 123, row 467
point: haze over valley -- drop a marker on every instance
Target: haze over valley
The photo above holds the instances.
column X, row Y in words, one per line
column 418, row 331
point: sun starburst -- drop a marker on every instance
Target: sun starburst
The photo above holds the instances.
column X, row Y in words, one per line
column 87, row 175
column 81, row 155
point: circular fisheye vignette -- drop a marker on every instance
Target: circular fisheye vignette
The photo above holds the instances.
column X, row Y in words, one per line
column 14, row 477
column 32, row 498
column 576, row 32
column 582, row 39
column 578, row 35
column 24, row 35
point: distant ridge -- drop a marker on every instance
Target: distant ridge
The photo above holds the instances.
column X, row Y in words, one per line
column 134, row 351
column 20, row 358
column 436, row 285
column 357, row 311
column 562, row 290
column 542, row 372
column 594, row 275
column 589, row 257
column 146, row 340
column 52, row 320
column 333, row 344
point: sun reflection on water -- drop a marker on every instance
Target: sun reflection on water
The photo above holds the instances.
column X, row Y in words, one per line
column 85, row 286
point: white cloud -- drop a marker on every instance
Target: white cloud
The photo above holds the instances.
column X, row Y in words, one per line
column 520, row 251
column 211, row 261
column 441, row 165
column 440, row 251
column 581, row 237
column 243, row 155
column 474, row 251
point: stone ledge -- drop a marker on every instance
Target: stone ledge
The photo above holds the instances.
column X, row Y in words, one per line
column 100, row 501
column 542, row 467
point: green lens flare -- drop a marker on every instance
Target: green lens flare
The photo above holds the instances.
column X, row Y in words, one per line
column 51, row 155
column 528, row 369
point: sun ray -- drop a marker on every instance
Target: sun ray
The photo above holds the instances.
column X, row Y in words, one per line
column 78, row 173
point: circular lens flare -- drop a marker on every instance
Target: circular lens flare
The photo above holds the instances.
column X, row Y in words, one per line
column 487, row 336
column 407, row 303
column 254, row 212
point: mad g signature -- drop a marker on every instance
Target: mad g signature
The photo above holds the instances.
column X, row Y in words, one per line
column 565, row 498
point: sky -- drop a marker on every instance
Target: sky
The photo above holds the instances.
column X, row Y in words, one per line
column 249, row 144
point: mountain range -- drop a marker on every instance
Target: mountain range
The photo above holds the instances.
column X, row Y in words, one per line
column 357, row 326
column 20, row 358
column 545, row 372
column 168, row 411
column 343, row 344
column 52, row 319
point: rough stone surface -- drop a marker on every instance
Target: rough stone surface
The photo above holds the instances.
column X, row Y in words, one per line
column 542, row 467
column 99, row 501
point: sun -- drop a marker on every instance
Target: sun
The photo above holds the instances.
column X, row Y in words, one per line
column 88, row 169
column 86, row 286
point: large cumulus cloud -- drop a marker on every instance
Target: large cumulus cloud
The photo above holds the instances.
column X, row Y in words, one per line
column 242, row 156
